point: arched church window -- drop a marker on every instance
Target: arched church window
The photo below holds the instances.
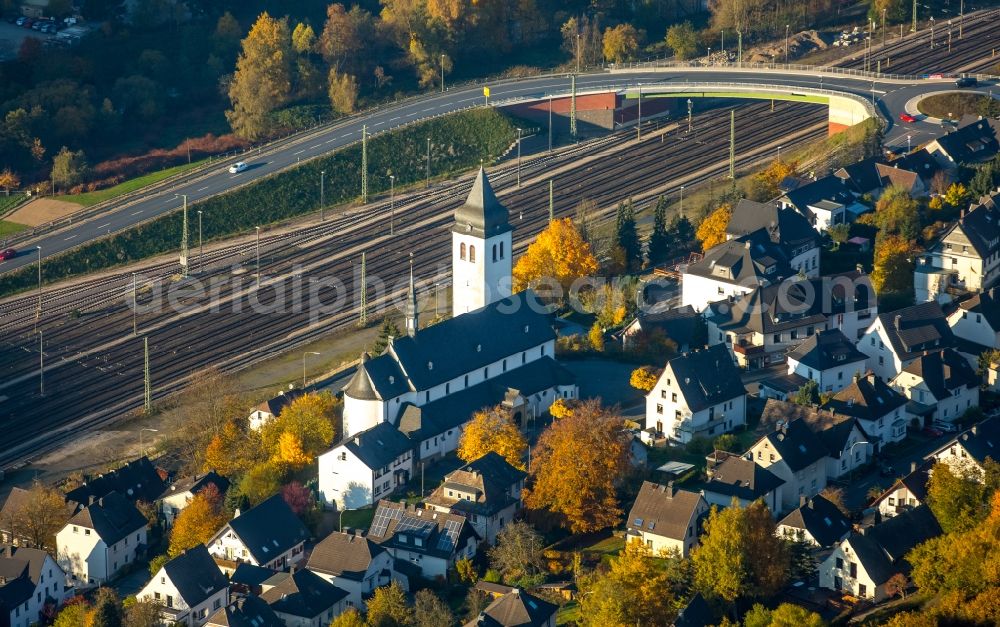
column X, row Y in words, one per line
column 461, row 251
column 472, row 254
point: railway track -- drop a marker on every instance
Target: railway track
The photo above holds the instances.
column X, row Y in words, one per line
column 112, row 378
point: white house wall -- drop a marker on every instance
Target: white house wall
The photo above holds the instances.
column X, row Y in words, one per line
column 973, row 327
column 698, row 291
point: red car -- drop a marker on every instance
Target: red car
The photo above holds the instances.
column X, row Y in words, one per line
column 906, row 117
column 932, row 432
column 8, row 253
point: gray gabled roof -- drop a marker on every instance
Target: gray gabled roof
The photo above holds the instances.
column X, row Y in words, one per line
column 786, row 227
column 344, row 555
column 515, row 609
column 981, row 441
column 866, row 398
column 826, row 349
column 379, row 445
column 707, row 377
column 248, row 611
column 747, row 260
column 137, row 480
column 490, row 477
column 943, row 371
column 195, row 575
column 798, row 446
column 301, row 593
column 882, row 549
column 986, row 304
column 743, row 479
column 821, row 518
column 663, row 510
column 268, row 529
column 197, row 483
column 482, row 214
column 974, row 141
column 829, row 188
column 917, row 328
column 398, row 525
column 112, row 516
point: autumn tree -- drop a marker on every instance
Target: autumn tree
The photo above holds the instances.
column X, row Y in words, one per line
column 582, row 40
column 740, row 556
column 261, row 481
column 493, row 430
column 69, row 167
column 894, row 10
column 517, row 555
column 897, row 585
column 310, row 418
column 807, row 394
column 785, row 615
column 430, row 611
column 712, row 230
column 343, row 91
column 596, row 337
column 107, row 610
column 9, row 180
column 142, row 612
column 897, row 213
column 388, row 608
column 957, row 196
column 764, row 185
column 575, row 467
column 643, row 378
column 351, row 617
column 635, row 590
column 36, row 515
column 233, row 450
column 620, row 43
column 74, row 615
column 558, row 253
column 893, row 266
column 683, row 40
column 347, row 35
column 957, row 496
column 262, row 81
column 205, row 409
column 560, row 408
column 198, row 522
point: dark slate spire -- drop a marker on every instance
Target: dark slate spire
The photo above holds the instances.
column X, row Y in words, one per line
column 482, row 214
column 412, row 314
column 360, row 385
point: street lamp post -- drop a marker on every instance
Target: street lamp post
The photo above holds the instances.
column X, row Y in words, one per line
column 135, row 305
column 427, row 183
column 722, row 45
column 682, row 201
column 779, row 153
column 908, row 146
column 442, row 73
column 38, row 310
column 550, row 123
column 932, row 32
column 690, row 107
column 322, row 195
column 201, row 242
column 392, row 204
column 883, row 29
column 578, row 53
column 41, row 365
column 518, row 157
column 304, row 366
column 142, row 447
column 258, row 255
column 786, row 44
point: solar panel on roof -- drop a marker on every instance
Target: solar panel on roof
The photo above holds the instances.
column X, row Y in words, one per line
column 449, row 537
column 383, row 516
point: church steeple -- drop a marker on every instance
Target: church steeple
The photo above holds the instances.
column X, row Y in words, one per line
column 412, row 314
column 482, row 214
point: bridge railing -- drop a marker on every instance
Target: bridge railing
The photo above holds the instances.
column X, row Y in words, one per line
column 699, row 64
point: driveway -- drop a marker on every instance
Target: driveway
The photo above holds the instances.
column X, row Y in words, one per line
column 916, row 448
column 605, row 380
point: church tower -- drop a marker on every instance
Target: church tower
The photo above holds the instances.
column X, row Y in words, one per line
column 480, row 250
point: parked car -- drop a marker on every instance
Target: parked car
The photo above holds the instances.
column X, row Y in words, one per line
column 944, row 427
column 7, row 253
column 906, row 117
column 237, row 167
column 28, row 22
column 967, row 81
column 932, row 432
column 20, row 21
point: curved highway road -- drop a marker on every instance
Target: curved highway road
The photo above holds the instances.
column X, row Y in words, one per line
column 891, row 97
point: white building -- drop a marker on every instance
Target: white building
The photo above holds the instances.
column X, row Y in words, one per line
column 354, row 564
column 828, row 201
column 895, row 339
column 666, row 519
column 700, row 393
column 942, row 382
column 972, row 447
column 32, row 586
column 966, row 258
column 734, row 268
column 302, row 598
column 977, row 319
column 816, row 521
column 786, row 227
column 973, row 141
column 745, row 481
column 829, row 358
column 862, row 563
column 180, row 493
column 189, row 588
column 272, row 408
column 796, row 455
column 429, row 540
column 481, row 250
column 366, row 467
column 907, row 492
column 101, row 540
column 878, row 408
column 268, row 535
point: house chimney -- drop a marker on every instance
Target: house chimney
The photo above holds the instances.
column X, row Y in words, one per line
column 236, row 514
column 898, row 320
column 348, row 531
column 803, row 499
column 913, row 466
column 975, row 429
column 670, row 489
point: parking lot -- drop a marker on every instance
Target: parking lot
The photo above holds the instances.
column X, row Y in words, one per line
column 11, row 37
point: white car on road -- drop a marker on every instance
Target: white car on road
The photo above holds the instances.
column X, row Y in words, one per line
column 237, row 167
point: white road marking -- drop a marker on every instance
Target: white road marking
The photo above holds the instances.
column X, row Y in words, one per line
column 314, row 147
column 201, row 189
column 428, row 109
column 299, row 152
column 70, row 237
column 345, row 135
column 394, row 119
column 329, row 141
column 137, row 212
column 104, row 225
column 378, row 124
column 410, row 115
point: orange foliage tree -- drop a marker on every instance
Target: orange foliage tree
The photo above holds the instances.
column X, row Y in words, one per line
column 893, row 267
column 198, row 522
column 493, row 430
column 559, row 252
column 575, row 467
column 643, row 378
column 712, row 230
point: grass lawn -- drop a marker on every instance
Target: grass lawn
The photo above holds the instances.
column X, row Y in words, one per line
column 358, row 518
column 9, row 228
column 7, row 201
column 92, row 198
column 953, row 105
column 569, row 614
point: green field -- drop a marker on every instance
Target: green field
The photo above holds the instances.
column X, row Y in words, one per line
column 7, row 202
column 9, row 228
column 92, row 198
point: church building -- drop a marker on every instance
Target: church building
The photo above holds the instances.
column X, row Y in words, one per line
column 410, row 404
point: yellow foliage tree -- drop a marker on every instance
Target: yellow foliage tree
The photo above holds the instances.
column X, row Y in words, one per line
column 342, row 89
column 9, row 180
column 233, row 450
column 310, row 418
column 620, row 42
column 596, row 337
column 559, row 252
column 290, row 451
column 893, row 267
column 712, row 230
column 575, row 467
column 560, row 408
column 957, row 195
column 635, row 590
column 643, row 378
column 198, row 522
column 262, row 81
column 303, row 38
column 493, row 430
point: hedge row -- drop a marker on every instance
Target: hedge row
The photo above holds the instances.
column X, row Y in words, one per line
column 457, row 142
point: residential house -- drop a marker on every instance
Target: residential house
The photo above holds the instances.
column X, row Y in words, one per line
column 271, row 408
column 487, row 491
column 862, row 563
column 941, row 385
column 682, row 325
column 517, row 608
column 975, row 140
column 180, row 493
column 788, row 228
column 827, row 201
column 665, row 518
column 795, row 454
column 827, row 357
column 734, row 268
column 897, row 338
column 965, row 258
column 10, row 519
column 268, row 535
column 100, row 540
column 977, row 319
column 431, row 540
column 32, row 587
column 782, row 387
column 302, row 598
column 923, row 164
column 699, row 394
column 870, row 177
column 762, row 325
column 696, row 613
column 972, row 447
column 354, row 564
column 365, row 467
column 245, row 611
column 815, row 521
column 189, row 588
column 907, row 492
column 137, row 480
column 244, row 578
column 745, row 481
column 878, row 408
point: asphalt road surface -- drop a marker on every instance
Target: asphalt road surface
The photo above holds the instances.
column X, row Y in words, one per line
column 890, row 97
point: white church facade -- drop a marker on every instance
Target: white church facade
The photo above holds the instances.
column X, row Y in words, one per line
column 497, row 349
